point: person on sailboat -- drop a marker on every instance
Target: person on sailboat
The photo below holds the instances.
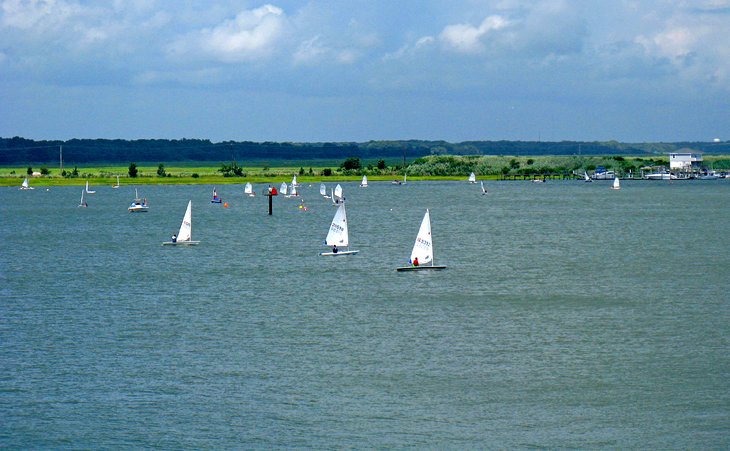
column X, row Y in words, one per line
column 174, row 238
column 334, row 249
column 415, row 261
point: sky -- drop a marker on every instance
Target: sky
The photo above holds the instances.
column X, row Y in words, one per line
column 360, row 70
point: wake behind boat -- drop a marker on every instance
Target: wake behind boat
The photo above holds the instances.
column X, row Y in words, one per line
column 338, row 235
column 422, row 252
column 185, row 234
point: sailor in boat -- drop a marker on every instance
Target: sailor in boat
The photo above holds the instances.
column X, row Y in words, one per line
column 174, row 238
column 415, row 261
column 334, row 249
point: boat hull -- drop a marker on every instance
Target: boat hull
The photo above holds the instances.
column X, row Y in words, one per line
column 420, row 268
column 335, row 254
column 180, row 243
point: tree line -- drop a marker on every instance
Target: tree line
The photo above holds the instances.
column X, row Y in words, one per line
column 19, row 150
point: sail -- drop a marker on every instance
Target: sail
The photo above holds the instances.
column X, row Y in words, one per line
column 364, row 182
column 88, row 191
column 283, row 188
column 616, row 183
column 337, row 234
column 82, row 203
column 294, row 190
column 248, row 189
column 294, row 181
column 423, row 249
column 323, row 190
column 186, row 228
column 472, row 178
column 25, row 184
column 484, row 190
column 338, row 192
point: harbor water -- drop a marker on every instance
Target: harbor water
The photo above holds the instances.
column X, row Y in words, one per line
column 570, row 316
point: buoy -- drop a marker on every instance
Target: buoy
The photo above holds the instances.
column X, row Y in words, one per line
column 225, row 205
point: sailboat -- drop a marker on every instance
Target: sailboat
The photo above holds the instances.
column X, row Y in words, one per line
column 586, row 178
column 117, row 185
column 185, row 235
column 83, row 202
column 364, row 183
column 472, row 178
column 616, row 183
column 323, row 191
column 138, row 205
column 248, row 190
column 337, row 197
column 338, row 234
column 484, row 190
column 216, row 199
column 422, row 252
column 294, row 181
column 283, row 189
column 25, row 185
column 87, row 188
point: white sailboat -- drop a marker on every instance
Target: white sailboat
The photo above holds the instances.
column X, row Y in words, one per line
column 138, row 205
column 422, row 252
column 293, row 192
column 185, row 234
column 338, row 235
column 484, row 190
column 323, row 191
column 294, row 181
column 586, row 178
column 117, row 185
column 248, row 190
column 364, row 183
column 337, row 197
column 283, row 189
column 216, row 199
column 616, row 183
column 25, row 185
column 472, row 178
column 87, row 188
column 83, row 202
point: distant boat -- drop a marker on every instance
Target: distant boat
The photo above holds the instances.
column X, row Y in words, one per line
column 25, row 185
column 185, row 234
column 283, row 189
column 422, row 252
column 294, row 181
column 404, row 179
column 364, row 183
column 293, row 192
column 338, row 235
column 87, row 189
column 586, row 178
column 472, row 178
column 537, row 180
column 323, row 191
column 396, row 182
column 117, row 185
column 248, row 190
column 216, row 199
column 484, row 190
column 138, row 205
column 616, row 184
column 337, row 197
column 83, row 202
column 661, row 175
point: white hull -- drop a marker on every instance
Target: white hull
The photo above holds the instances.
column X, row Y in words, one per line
column 335, row 254
column 180, row 243
column 138, row 209
column 420, row 268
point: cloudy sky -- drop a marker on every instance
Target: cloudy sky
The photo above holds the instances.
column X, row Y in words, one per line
column 356, row 70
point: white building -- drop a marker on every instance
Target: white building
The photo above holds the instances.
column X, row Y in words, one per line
column 684, row 161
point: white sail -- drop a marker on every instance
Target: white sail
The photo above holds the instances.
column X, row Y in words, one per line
column 364, row 182
column 283, row 188
column 186, row 228
column 405, row 176
column 117, row 185
column 472, row 178
column 338, row 235
column 338, row 192
column 484, row 190
column 294, row 191
column 616, row 183
column 294, row 181
column 423, row 248
column 248, row 189
column 82, row 203
column 87, row 188
column 586, row 177
column 25, row 184
column 323, row 190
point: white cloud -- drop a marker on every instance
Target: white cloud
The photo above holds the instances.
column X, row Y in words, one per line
column 310, row 51
column 251, row 35
column 466, row 38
